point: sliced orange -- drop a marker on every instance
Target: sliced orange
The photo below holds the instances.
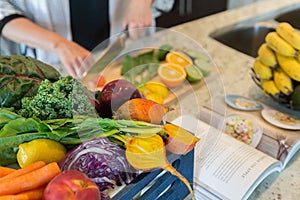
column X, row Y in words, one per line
column 171, row 74
column 178, row 58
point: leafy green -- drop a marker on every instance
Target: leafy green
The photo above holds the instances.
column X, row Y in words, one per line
column 20, row 76
column 67, row 131
column 62, row 99
column 143, row 67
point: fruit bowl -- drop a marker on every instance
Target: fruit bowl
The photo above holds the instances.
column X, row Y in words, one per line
column 276, row 69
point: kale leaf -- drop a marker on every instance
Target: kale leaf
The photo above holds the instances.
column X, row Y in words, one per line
column 64, row 98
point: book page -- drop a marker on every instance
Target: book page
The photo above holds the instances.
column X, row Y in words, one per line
column 277, row 142
column 222, row 164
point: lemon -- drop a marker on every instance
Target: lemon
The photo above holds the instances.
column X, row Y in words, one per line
column 40, row 150
column 157, row 87
column 171, row 74
column 154, row 97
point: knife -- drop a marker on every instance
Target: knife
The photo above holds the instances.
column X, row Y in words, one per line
column 111, row 52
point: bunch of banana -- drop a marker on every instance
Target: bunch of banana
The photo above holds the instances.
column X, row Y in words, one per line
column 277, row 67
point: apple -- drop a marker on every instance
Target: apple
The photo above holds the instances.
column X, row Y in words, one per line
column 71, row 184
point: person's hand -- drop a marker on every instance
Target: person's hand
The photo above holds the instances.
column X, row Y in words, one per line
column 137, row 17
column 74, row 57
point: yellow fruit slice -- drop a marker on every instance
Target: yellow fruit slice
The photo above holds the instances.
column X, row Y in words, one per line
column 171, row 74
column 178, row 58
column 40, row 150
column 157, row 88
column 154, row 97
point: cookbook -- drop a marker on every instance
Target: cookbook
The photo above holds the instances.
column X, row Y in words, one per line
column 229, row 167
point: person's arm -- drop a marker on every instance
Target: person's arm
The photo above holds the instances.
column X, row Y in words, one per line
column 138, row 15
column 22, row 30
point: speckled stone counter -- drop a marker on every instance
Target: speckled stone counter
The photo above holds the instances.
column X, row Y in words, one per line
column 232, row 75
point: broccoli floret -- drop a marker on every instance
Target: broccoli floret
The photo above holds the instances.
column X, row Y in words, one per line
column 64, row 98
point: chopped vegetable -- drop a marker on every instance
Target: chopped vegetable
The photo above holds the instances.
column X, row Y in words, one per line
column 149, row 153
column 20, row 76
column 30, row 180
column 104, row 162
column 141, row 68
column 178, row 140
column 62, row 99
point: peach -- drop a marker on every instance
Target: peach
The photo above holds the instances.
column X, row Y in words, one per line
column 71, row 184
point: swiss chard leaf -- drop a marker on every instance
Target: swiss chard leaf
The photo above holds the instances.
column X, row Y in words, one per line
column 20, row 77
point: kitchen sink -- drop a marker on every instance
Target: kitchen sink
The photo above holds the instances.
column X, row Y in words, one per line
column 247, row 36
column 246, row 39
column 292, row 17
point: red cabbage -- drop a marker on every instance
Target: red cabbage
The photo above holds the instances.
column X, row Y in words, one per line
column 102, row 161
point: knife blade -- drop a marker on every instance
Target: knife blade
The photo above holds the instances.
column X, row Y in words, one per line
column 111, row 52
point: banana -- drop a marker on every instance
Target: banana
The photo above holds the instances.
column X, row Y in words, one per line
column 262, row 71
column 289, row 34
column 290, row 66
column 279, row 45
column 267, row 56
column 270, row 88
column 283, row 82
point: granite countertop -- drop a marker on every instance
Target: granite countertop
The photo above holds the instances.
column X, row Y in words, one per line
column 232, row 75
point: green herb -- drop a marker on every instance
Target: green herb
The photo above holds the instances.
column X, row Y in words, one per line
column 143, row 67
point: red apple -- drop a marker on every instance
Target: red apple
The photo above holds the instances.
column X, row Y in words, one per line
column 71, row 184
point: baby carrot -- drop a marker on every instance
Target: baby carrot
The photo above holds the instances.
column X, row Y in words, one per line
column 29, row 181
column 25, row 170
column 34, row 194
column 5, row 170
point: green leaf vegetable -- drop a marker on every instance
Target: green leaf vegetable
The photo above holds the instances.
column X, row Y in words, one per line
column 62, row 99
column 69, row 132
column 20, row 76
column 143, row 67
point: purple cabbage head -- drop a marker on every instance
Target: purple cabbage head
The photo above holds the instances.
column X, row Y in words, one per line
column 103, row 161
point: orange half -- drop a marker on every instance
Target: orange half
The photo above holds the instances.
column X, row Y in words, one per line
column 171, row 74
column 178, row 58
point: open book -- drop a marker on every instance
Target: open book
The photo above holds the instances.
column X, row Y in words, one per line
column 226, row 168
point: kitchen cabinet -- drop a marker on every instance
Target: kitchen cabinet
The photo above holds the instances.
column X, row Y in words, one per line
column 187, row 10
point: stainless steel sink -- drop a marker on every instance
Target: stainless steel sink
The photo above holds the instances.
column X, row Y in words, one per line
column 246, row 39
column 292, row 17
column 247, row 36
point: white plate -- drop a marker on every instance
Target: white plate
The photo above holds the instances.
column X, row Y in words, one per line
column 270, row 116
column 257, row 129
column 240, row 102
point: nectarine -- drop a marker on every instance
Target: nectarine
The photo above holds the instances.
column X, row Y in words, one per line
column 71, row 184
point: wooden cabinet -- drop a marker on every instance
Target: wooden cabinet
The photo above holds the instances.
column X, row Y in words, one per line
column 187, row 10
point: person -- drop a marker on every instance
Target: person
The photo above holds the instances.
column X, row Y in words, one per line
column 65, row 31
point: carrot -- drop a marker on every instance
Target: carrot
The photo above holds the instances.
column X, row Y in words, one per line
column 25, row 170
column 34, row 194
column 142, row 110
column 5, row 170
column 29, row 181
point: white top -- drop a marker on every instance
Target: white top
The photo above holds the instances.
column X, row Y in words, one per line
column 54, row 15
